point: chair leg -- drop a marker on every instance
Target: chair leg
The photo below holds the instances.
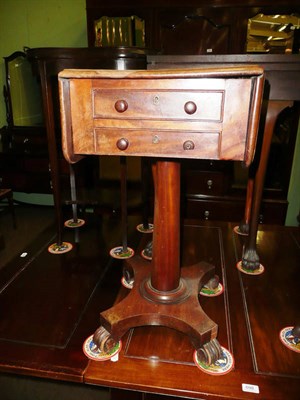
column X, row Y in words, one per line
column 12, row 208
column 10, row 200
column 8, row 194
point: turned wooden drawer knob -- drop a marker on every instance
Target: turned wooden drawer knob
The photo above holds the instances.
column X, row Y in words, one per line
column 209, row 183
column 122, row 144
column 188, row 145
column 190, row 107
column 121, row 106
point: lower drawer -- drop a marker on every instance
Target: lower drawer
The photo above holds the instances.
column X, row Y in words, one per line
column 212, row 183
column 272, row 212
column 149, row 142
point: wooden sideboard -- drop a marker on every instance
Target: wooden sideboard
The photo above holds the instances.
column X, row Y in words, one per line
column 214, row 190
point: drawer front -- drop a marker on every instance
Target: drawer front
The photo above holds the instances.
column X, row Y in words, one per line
column 214, row 210
column 272, row 212
column 159, row 143
column 205, row 182
column 158, row 104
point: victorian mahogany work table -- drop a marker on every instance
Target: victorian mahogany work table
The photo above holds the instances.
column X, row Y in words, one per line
column 166, row 115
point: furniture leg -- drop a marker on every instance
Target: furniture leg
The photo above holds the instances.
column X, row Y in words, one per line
column 8, row 194
column 52, row 147
column 123, row 164
column 244, row 224
column 74, row 222
column 146, row 172
column 250, row 259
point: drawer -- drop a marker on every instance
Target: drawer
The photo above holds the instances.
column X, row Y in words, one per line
column 15, row 180
column 161, row 143
column 25, row 182
column 215, row 210
column 29, row 140
column 210, row 183
column 272, row 212
column 157, row 104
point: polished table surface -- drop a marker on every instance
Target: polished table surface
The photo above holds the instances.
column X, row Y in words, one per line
column 253, row 311
column 250, row 314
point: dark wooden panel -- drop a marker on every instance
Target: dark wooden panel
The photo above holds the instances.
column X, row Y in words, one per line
column 24, row 163
column 194, row 31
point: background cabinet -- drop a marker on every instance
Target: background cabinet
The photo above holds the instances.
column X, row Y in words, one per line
column 191, row 26
column 178, row 30
column 24, row 165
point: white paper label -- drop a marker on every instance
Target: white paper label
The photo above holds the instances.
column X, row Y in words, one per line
column 115, row 358
column 247, row 387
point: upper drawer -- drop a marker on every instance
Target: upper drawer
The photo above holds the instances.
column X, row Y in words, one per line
column 196, row 105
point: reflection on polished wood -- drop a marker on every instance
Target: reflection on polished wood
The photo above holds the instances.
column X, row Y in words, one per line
column 250, row 315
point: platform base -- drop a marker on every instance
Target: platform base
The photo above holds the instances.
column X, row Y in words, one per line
column 179, row 309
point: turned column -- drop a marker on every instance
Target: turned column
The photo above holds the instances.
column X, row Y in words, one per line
column 165, row 274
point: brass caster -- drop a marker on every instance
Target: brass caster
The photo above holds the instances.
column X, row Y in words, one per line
column 213, row 283
column 242, row 229
column 212, row 288
column 296, row 332
column 128, row 277
column 147, row 252
column 250, row 260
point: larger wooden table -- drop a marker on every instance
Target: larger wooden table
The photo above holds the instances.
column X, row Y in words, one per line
column 250, row 314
